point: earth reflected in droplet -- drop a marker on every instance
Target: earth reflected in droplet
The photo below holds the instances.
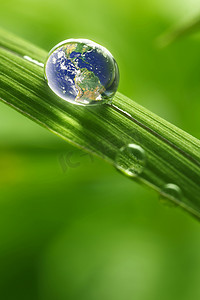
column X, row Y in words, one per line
column 82, row 72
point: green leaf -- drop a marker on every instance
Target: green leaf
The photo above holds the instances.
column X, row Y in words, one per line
column 162, row 156
column 179, row 32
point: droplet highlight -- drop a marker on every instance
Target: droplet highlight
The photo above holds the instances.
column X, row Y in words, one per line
column 131, row 160
column 82, row 72
column 170, row 195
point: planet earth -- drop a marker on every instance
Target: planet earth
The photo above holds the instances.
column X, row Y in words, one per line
column 82, row 72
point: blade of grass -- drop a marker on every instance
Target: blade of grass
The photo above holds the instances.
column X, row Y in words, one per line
column 173, row 156
column 178, row 32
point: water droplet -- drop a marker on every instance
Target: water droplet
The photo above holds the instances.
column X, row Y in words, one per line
column 131, row 160
column 170, row 195
column 87, row 71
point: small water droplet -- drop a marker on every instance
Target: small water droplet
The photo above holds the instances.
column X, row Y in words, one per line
column 131, row 160
column 169, row 193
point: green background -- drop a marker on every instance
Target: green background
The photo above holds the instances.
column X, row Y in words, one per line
column 71, row 227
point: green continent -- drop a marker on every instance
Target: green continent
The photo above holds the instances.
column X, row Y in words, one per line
column 88, row 85
column 82, row 48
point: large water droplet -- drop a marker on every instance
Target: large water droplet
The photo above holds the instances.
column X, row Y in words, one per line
column 131, row 160
column 170, row 195
column 82, row 72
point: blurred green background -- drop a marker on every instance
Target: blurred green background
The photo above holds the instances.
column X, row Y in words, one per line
column 71, row 227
